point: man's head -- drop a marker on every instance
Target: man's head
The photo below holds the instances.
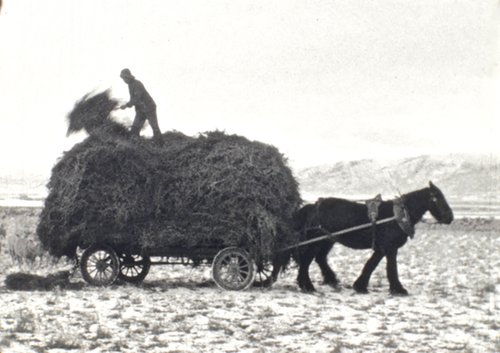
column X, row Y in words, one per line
column 126, row 75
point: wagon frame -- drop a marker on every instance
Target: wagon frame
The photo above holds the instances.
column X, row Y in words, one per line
column 233, row 268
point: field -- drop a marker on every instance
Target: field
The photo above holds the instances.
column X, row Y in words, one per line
column 452, row 274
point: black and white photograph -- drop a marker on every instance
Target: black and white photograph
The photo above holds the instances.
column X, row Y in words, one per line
column 250, row 176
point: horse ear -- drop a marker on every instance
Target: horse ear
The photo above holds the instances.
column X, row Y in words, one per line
column 431, row 184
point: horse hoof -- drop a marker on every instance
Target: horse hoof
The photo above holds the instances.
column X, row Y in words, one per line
column 360, row 289
column 308, row 289
column 399, row 292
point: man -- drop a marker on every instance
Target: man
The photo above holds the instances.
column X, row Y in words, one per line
column 145, row 106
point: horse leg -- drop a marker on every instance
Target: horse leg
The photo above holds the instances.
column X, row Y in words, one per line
column 392, row 274
column 361, row 284
column 327, row 272
column 303, row 279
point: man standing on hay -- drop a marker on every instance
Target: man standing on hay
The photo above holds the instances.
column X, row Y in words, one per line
column 145, row 106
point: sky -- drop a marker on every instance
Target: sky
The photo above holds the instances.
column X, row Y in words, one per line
column 323, row 81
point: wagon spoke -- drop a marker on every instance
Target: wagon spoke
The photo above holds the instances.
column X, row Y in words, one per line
column 108, row 273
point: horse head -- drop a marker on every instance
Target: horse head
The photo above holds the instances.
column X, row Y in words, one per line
column 438, row 206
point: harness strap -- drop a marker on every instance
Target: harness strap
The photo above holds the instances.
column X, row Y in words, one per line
column 372, row 208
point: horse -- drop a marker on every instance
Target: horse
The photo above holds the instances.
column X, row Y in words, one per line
column 330, row 215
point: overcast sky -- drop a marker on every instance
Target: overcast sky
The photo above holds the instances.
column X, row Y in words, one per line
column 321, row 80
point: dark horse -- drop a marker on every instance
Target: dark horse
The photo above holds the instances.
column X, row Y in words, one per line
column 332, row 214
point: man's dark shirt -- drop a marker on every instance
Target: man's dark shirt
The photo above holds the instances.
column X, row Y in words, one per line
column 140, row 98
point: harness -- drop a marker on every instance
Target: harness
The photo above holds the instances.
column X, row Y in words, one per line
column 401, row 216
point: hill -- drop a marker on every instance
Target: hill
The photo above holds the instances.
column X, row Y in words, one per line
column 27, row 187
column 461, row 177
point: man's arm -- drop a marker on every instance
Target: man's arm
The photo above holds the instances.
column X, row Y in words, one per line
column 136, row 92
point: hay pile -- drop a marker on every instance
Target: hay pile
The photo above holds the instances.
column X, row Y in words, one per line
column 30, row 282
column 213, row 190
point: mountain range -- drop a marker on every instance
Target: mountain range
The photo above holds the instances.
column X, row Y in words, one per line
column 460, row 177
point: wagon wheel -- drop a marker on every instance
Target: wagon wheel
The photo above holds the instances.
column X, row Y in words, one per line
column 99, row 265
column 133, row 268
column 233, row 269
column 263, row 275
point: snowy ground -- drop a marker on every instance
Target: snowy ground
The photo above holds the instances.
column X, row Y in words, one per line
column 452, row 273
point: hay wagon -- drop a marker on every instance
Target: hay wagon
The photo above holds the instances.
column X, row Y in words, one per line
column 130, row 203
column 233, row 268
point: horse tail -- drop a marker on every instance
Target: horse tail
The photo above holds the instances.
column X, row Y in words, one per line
column 281, row 261
column 282, row 258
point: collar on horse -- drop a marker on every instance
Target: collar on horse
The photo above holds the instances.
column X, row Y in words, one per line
column 403, row 217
